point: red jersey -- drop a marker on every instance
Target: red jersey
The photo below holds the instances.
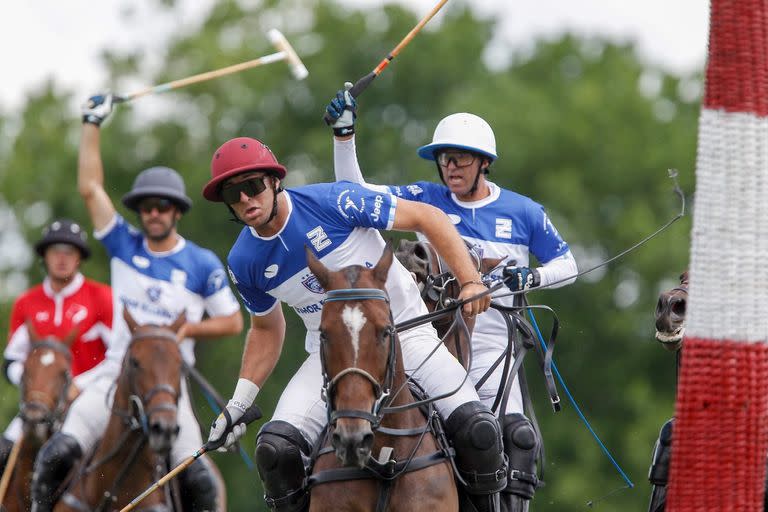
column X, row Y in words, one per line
column 83, row 304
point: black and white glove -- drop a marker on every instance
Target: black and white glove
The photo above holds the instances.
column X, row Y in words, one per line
column 343, row 109
column 228, row 428
column 521, row 278
column 97, row 108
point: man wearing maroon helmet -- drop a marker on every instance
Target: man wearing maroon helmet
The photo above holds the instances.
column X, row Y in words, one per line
column 339, row 223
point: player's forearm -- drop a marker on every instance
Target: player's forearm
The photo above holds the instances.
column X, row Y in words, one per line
column 215, row 327
column 90, row 171
column 345, row 164
column 561, row 270
column 261, row 353
column 442, row 234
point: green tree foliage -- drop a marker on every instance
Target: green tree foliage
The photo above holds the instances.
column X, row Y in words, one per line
column 583, row 126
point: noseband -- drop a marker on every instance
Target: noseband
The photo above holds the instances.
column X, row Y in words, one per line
column 381, row 391
column 50, row 416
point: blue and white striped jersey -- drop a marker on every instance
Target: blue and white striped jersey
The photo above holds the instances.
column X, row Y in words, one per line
column 157, row 287
column 338, row 222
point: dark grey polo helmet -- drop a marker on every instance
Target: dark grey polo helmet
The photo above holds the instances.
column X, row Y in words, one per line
column 158, row 182
column 64, row 231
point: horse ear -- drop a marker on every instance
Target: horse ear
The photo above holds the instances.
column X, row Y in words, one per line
column 31, row 330
column 180, row 320
column 684, row 277
column 381, row 269
column 132, row 324
column 316, row 267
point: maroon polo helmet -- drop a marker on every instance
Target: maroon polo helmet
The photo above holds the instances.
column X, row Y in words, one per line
column 236, row 156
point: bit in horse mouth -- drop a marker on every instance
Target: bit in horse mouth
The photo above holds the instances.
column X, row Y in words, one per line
column 671, row 337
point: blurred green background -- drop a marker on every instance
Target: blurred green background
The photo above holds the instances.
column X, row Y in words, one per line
column 583, row 126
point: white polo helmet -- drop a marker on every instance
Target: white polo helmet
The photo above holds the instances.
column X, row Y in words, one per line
column 462, row 131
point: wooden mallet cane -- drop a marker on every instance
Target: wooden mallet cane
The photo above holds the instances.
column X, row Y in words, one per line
column 365, row 81
column 252, row 414
column 8, row 472
column 278, row 40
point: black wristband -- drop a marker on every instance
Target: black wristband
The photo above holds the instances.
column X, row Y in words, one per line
column 341, row 132
column 92, row 119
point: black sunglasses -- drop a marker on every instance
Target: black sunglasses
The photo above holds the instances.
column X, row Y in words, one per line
column 460, row 159
column 161, row 204
column 251, row 188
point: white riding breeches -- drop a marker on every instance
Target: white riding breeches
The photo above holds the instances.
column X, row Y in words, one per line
column 486, row 349
column 89, row 415
column 13, row 431
column 301, row 404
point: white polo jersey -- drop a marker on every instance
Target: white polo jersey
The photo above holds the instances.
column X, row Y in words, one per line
column 157, row 287
column 338, row 222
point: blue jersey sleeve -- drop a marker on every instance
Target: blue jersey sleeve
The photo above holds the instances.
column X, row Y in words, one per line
column 420, row 191
column 216, row 278
column 256, row 301
column 363, row 206
column 546, row 243
column 120, row 239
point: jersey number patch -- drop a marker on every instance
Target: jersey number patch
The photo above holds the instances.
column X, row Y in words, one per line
column 319, row 239
column 503, row 228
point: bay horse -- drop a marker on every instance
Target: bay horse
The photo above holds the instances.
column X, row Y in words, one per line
column 43, row 403
column 439, row 287
column 367, row 395
column 141, row 430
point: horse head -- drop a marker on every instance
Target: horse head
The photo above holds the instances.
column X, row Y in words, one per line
column 670, row 315
column 358, row 353
column 150, row 381
column 45, row 383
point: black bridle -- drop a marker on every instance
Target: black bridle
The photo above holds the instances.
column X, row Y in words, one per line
column 51, row 416
column 381, row 390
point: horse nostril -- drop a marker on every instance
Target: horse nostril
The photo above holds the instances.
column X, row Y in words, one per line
column 336, row 439
column 678, row 307
column 367, row 443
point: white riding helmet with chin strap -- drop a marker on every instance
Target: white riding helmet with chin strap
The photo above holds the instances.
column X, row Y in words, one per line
column 462, row 131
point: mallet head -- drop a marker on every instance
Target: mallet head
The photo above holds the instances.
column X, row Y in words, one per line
column 279, row 41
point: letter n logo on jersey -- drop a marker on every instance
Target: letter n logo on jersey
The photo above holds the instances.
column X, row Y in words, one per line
column 319, row 239
column 503, row 228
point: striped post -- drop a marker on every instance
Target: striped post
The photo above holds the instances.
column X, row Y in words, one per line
column 720, row 438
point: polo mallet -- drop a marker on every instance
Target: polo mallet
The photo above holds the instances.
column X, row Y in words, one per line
column 252, row 414
column 278, row 40
column 365, row 81
column 9, row 467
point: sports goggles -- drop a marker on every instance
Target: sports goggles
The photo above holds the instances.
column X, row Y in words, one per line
column 459, row 158
column 162, row 205
column 251, row 188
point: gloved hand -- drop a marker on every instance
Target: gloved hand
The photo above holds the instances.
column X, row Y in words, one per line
column 521, row 278
column 97, row 108
column 221, row 436
column 343, row 108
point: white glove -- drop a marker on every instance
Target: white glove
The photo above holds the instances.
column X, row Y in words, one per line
column 97, row 108
column 243, row 397
column 221, row 426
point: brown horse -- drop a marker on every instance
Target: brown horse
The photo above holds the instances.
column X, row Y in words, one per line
column 43, row 404
column 670, row 315
column 362, row 365
column 439, row 287
column 141, row 429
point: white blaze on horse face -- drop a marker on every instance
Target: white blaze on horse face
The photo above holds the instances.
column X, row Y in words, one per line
column 47, row 358
column 354, row 319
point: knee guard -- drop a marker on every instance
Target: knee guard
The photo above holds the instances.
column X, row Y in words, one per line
column 279, row 457
column 53, row 463
column 658, row 474
column 521, row 444
column 476, row 437
column 199, row 492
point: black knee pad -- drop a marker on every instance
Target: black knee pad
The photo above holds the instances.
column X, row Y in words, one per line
column 522, row 445
column 658, row 474
column 279, row 457
column 54, row 461
column 476, row 437
column 6, row 445
column 199, row 492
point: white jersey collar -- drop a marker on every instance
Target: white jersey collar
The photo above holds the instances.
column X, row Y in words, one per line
column 287, row 219
column 495, row 191
column 181, row 242
column 70, row 289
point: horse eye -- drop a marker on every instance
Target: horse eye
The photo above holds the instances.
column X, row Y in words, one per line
column 323, row 337
column 134, row 363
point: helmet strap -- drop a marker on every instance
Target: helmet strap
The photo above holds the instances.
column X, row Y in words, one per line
column 273, row 213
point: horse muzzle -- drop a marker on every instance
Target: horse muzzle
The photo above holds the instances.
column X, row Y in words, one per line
column 670, row 320
column 162, row 434
column 352, row 441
